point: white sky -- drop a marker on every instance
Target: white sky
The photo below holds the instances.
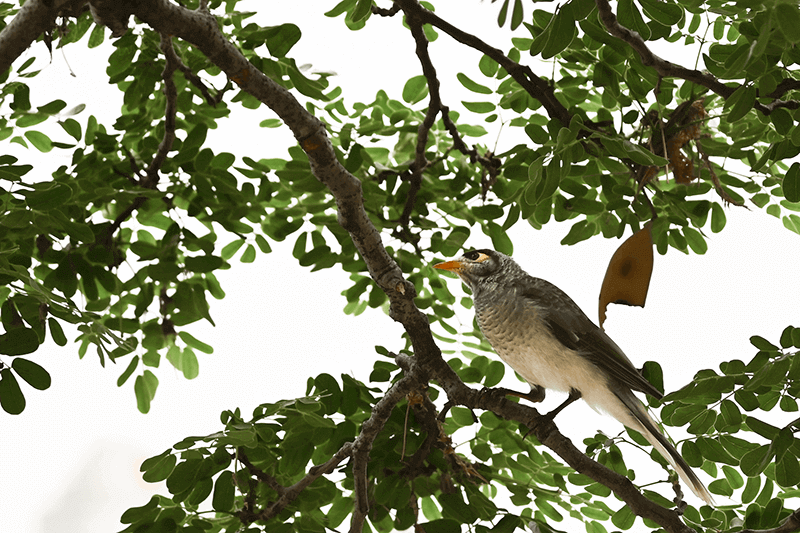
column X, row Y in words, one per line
column 71, row 458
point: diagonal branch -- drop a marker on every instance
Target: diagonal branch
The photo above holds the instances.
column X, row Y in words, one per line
column 668, row 69
column 288, row 494
column 533, row 84
column 549, row 436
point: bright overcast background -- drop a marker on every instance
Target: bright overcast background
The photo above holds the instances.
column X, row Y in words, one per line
column 70, row 460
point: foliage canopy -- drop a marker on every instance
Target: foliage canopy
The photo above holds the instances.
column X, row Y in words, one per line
column 615, row 137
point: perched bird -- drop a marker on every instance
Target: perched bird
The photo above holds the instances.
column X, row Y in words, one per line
column 545, row 337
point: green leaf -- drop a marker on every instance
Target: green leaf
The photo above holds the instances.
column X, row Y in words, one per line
column 32, row 119
column 740, row 102
column 500, row 239
column 97, row 36
column 281, row 39
column 128, row 371
column 768, row 431
column 471, row 85
column 479, row 107
column 224, row 492
column 562, row 32
column 190, row 340
column 39, row 140
column 695, row 240
column 139, row 514
column 72, row 127
column 11, row 397
column 788, row 17
column 158, row 468
column 145, row 389
column 230, row 249
column 203, row 263
column 630, row 17
column 415, row 89
column 791, row 183
column 189, row 364
column 663, row 12
column 249, row 254
column 74, row 111
column 763, row 344
column 56, row 332
column 488, row 66
column 362, row 10
column 624, row 518
column 33, row 374
column 501, row 16
column 787, row 471
column 19, row 341
column 271, row 123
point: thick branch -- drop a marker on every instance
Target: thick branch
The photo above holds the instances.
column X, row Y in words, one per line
column 33, row 19
column 668, row 69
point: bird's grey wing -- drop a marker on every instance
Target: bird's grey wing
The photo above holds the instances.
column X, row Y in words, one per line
column 570, row 325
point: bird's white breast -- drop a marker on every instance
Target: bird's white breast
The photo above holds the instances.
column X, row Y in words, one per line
column 524, row 342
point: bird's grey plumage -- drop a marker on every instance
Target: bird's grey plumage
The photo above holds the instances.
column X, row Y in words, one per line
column 546, row 338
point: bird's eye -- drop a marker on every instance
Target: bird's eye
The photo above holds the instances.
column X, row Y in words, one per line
column 478, row 256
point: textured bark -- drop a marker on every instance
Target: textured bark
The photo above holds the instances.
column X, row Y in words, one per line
column 33, row 19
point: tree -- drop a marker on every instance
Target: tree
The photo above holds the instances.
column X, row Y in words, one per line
column 608, row 118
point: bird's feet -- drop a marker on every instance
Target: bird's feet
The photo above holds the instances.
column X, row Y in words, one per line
column 547, row 418
column 535, row 395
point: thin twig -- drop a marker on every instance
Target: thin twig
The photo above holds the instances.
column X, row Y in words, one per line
column 171, row 94
column 535, row 86
column 714, row 179
column 259, row 474
column 384, row 12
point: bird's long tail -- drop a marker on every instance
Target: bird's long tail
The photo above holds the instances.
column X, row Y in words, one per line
column 650, row 432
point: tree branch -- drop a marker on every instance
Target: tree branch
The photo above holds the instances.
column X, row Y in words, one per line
column 668, row 69
column 151, row 177
column 287, row 495
column 33, row 19
column 547, row 433
column 381, row 412
column 533, row 84
column 171, row 93
column 434, row 106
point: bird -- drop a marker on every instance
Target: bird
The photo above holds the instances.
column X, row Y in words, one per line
column 540, row 332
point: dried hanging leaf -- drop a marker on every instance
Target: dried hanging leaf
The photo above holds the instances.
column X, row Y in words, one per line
column 628, row 275
column 689, row 119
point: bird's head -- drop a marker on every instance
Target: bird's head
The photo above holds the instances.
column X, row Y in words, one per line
column 481, row 268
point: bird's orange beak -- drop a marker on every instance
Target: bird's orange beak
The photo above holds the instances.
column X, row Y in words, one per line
column 451, row 266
